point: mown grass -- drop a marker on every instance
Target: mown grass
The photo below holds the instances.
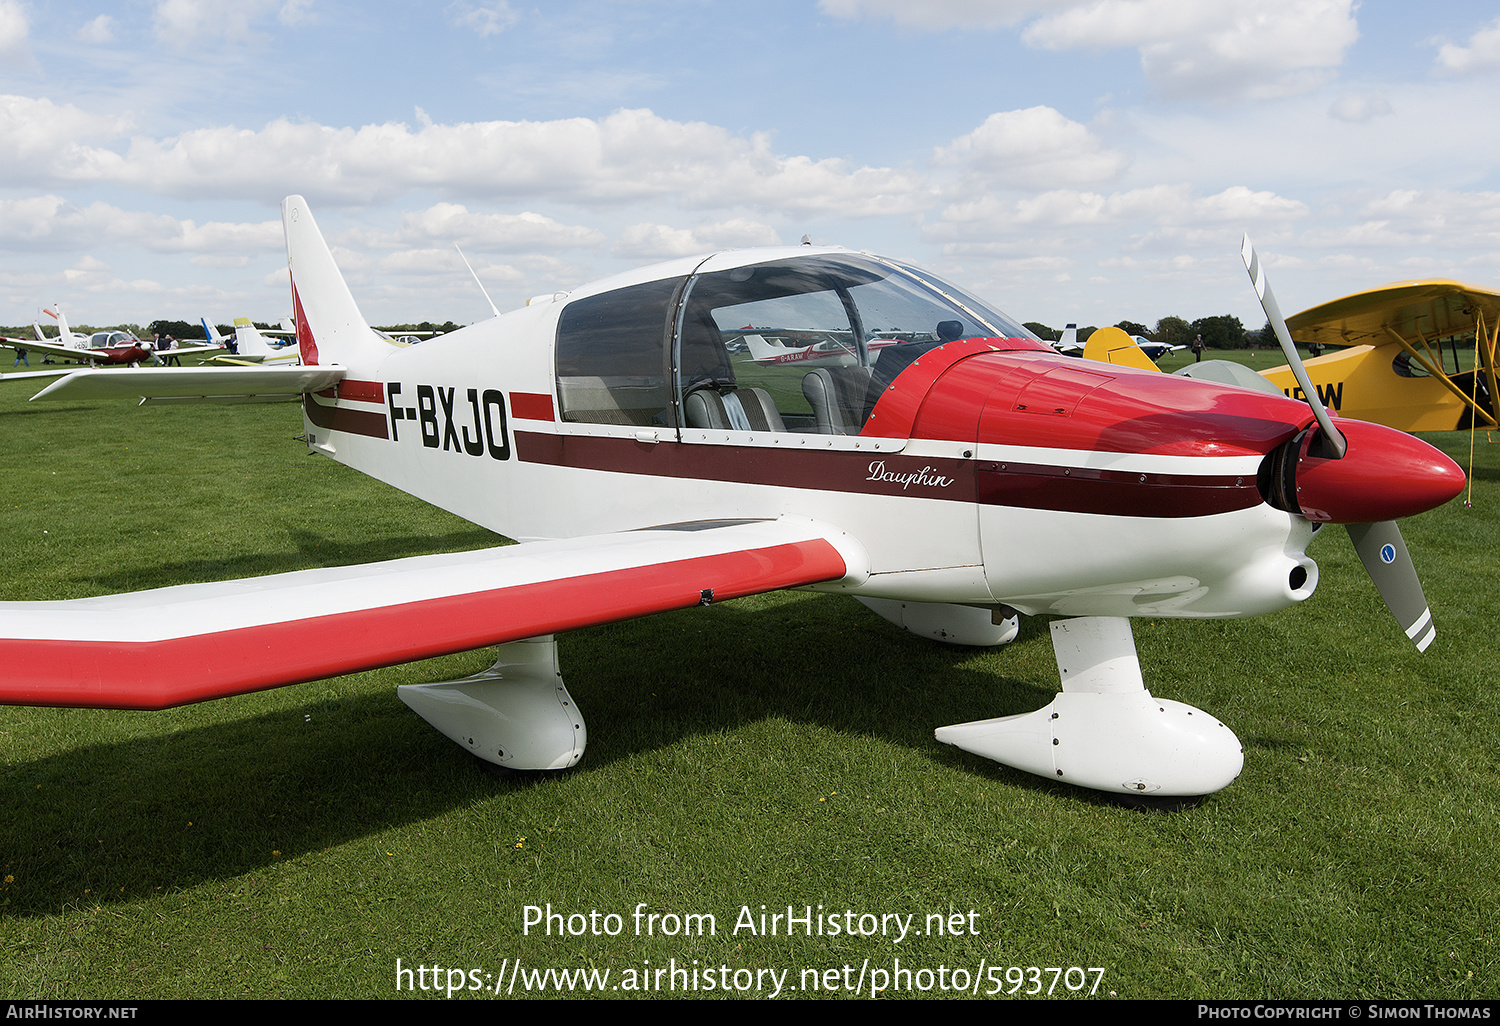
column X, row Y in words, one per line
column 771, row 751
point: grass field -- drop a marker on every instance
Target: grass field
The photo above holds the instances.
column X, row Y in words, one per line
column 771, row 751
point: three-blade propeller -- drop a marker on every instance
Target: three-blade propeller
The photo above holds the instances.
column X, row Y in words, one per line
column 1378, row 542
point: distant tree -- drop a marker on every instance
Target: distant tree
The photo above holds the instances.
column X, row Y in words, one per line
column 1131, row 328
column 177, row 329
column 1084, row 333
column 1043, row 332
column 1174, row 331
column 1222, row 332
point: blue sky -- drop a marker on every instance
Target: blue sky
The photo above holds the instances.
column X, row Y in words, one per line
column 1070, row 161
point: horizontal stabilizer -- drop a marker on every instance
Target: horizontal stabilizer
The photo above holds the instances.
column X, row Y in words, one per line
column 189, row 643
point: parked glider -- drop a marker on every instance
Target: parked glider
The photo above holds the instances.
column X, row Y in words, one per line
column 252, row 347
column 949, row 485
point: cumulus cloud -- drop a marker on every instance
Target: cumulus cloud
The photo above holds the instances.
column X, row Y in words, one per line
column 1157, row 206
column 41, row 141
column 1482, row 53
column 484, row 19
column 938, row 14
column 50, row 222
column 1213, row 48
column 660, row 241
column 448, row 223
column 1404, row 218
column 184, row 22
column 627, row 156
column 97, row 32
column 1036, row 147
column 14, row 27
column 1360, row 107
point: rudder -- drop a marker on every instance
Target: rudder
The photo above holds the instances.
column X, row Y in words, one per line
column 330, row 328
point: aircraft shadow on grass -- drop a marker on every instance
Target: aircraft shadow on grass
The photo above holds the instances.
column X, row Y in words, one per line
column 331, row 766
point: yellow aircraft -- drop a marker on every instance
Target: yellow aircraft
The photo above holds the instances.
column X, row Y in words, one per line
column 1403, row 350
column 1406, row 347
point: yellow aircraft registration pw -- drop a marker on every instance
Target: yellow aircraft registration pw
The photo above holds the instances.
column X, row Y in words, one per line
column 954, row 479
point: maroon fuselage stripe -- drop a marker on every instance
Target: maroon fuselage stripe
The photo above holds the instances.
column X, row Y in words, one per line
column 531, row 406
column 1029, row 486
column 1113, row 492
column 176, row 671
column 341, row 418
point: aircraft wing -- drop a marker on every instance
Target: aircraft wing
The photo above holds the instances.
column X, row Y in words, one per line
column 66, row 352
column 204, row 383
column 190, row 643
column 1412, row 309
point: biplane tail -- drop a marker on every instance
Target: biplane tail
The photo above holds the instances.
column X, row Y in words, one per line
column 330, row 328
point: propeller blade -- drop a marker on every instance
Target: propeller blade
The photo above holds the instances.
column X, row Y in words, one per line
column 1332, row 434
column 1384, row 554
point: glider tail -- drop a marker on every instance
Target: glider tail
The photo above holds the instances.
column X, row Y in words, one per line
column 330, row 328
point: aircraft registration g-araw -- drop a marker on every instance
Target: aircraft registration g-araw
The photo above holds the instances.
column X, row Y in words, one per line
column 950, row 485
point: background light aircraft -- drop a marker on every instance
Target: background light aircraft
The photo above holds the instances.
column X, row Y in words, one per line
column 251, row 347
column 107, row 347
column 1416, row 355
column 950, row 485
column 102, row 347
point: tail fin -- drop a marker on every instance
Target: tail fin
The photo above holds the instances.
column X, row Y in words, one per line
column 249, row 341
column 330, row 328
column 211, row 333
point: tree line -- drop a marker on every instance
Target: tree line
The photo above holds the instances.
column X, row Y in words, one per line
column 1222, row 332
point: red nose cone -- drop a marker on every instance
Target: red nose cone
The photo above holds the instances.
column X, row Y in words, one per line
column 1385, row 475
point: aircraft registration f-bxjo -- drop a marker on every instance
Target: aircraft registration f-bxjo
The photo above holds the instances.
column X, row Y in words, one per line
column 951, row 483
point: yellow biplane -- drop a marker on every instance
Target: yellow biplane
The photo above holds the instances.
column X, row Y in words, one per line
column 1415, row 355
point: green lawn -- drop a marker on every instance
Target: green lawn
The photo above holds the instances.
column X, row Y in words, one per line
column 771, row 751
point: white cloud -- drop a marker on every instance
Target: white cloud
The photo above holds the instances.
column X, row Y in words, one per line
column 43, row 141
column 1213, row 48
column 449, row 223
column 1036, row 147
column 14, row 27
column 184, row 22
column 1157, row 206
column 50, row 222
column 485, row 19
column 97, row 32
column 627, row 156
column 938, row 14
column 1482, row 53
column 1360, row 107
column 660, row 241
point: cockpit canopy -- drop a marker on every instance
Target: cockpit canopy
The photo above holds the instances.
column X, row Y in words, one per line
column 801, row 343
column 109, row 339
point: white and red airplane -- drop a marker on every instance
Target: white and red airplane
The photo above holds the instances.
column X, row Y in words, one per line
column 949, row 485
column 110, row 347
